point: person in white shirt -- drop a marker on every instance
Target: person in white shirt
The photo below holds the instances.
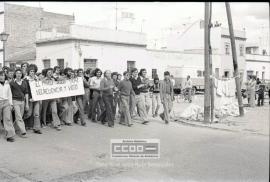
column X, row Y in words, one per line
column 188, row 87
column 97, row 99
column 5, row 107
column 173, row 80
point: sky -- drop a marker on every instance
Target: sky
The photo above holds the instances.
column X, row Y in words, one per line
column 156, row 17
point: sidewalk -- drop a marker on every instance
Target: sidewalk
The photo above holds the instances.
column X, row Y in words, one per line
column 255, row 121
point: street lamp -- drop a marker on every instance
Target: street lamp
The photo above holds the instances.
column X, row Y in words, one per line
column 3, row 38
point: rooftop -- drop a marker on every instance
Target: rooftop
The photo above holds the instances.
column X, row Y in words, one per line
column 88, row 33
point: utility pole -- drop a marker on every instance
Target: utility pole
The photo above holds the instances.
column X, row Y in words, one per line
column 206, row 65
column 212, row 97
column 235, row 64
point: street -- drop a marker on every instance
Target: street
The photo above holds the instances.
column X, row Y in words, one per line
column 187, row 153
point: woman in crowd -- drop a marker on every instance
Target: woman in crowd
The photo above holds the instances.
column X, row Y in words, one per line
column 33, row 114
column 20, row 99
column 5, row 107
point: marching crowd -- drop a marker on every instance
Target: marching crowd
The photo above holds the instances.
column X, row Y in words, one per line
column 106, row 94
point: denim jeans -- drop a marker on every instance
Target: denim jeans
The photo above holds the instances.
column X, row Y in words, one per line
column 5, row 114
column 139, row 102
column 155, row 103
column 146, row 101
column 108, row 101
column 53, row 106
column 125, row 114
column 34, row 113
column 97, row 105
column 19, row 111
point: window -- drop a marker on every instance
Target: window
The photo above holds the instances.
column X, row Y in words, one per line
column 154, row 73
column 227, row 48
column 241, row 49
column 130, row 65
column 61, row 63
column 47, row 63
column 226, row 74
column 263, row 75
column 90, row 63
column 199, row 73
column 217, row 72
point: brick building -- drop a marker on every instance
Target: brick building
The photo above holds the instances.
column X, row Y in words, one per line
column 22, row 23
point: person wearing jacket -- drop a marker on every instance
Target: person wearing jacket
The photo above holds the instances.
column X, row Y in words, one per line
column 20, row 99
column 33, row 114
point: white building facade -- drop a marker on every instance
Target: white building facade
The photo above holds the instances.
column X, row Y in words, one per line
column 257, row 63
column 90, row 47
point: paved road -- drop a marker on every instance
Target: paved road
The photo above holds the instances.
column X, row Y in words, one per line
column 187, row 153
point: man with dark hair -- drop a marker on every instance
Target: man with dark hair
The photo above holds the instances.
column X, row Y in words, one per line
column 166, row 96
column 155, row 89
column 116, row 99
column 97, row 104
column 137, row 85
column 24, row 67
column 125, row 90
column 32, row 116
column 52, row 103
column 106, row 87
column 5, row 107
column 86, row 95
column 10, row 74
column 145, row 89
column 20, row 99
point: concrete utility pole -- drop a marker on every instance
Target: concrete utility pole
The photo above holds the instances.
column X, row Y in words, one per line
column 234, row 56
column 212, row 97
column 206, row 65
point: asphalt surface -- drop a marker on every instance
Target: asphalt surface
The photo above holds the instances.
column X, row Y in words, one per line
column 187, row 153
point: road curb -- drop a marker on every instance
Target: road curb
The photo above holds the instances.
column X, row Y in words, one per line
column 215, row 128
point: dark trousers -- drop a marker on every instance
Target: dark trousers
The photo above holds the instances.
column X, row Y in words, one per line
column 80, row 111
column 260, row 99
column 108, row 115
column 97, row 106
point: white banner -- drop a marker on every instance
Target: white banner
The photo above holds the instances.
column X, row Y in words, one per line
column 50, row 89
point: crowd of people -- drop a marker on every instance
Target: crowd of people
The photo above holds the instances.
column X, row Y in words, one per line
column 255, row 88
column 107, row 95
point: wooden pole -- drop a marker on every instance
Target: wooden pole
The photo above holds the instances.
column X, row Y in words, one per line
column 234, row 56
column 212, row 97
column 206, row 65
